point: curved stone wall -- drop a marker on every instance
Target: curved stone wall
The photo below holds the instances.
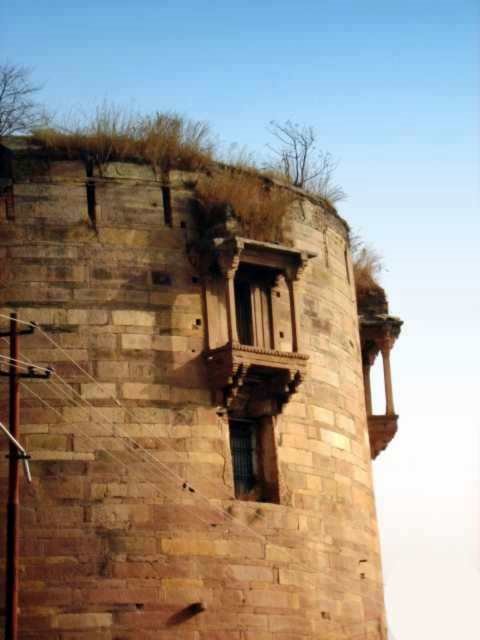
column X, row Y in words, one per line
column 116, row 548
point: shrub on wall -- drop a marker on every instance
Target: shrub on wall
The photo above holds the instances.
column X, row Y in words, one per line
column 259, row 207
column 367, row 265
column 166, row 141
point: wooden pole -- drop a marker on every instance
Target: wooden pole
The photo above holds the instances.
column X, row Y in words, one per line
column 15, row 455
column 13, row 503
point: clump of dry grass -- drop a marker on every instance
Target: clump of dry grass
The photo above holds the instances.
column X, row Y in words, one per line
column 169, row 141
column 110, row 135
column 259, row 206
column 367, row 266
column 165, row 140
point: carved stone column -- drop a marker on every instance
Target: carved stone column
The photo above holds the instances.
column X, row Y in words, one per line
column 368, row 388
column 229, row 263
column 231, row 311
column 369, row 355
column 385, row 349
column 292, row 293
column 292, row 277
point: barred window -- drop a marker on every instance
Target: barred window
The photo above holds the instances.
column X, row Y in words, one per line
column 254, row 460
column 244, row 453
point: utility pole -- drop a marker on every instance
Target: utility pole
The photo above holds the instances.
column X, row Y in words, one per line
column 15, row 455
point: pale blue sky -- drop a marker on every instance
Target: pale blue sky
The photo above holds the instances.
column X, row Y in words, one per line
column 393, row 89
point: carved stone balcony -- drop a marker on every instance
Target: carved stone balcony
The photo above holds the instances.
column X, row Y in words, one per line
column 378, row 333
column 247, row 380
column 381, row 430
column 252, row 308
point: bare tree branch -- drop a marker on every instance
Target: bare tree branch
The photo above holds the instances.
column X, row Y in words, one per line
column 19, row 112
column 300, row 162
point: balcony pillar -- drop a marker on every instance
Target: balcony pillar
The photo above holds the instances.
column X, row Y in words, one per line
column 368, row 388
column 229, row 262
column 293, row 296
column 231, row 311
column 387, row 377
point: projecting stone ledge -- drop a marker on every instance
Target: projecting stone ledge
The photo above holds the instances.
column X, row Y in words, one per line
column 381, row 431
column 251, row 381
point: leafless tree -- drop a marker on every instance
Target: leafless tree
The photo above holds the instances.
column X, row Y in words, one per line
column 19, row 111
column 301, row 162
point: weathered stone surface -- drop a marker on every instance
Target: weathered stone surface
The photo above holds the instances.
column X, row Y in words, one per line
column 114, row 544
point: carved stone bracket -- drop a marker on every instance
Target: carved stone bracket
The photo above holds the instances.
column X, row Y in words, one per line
column 295, row 271
column 252, row 381
column 235, row 384
column 228, row 257
column 378, row 333
column 381, row 431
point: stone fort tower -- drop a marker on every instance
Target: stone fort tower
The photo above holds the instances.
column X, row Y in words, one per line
column 202, row 457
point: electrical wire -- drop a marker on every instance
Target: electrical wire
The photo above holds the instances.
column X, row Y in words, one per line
column 113, row 456
column 259, row 515
column 31, row 366
column 136, row 446
column 224, row 513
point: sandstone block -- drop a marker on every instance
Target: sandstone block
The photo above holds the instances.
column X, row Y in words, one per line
column 113, row 515
column 136, row 341
column 100, row 391
column 77, row 621
column 295, row 456
column 335, row 439
column 112, row 369
column 251, row 573
column 145, row 391
column 187, row 546
column 325, row 416
column 133, row 318
column 345, row 423
column 47, row 441
column 170, row 343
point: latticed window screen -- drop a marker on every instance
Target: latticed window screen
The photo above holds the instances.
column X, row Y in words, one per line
column 243, row 446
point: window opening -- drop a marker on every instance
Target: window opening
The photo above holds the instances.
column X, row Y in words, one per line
column 167, row 205
column 243, row 307
column 243, row 444
column 254, row 459
column 253, row 307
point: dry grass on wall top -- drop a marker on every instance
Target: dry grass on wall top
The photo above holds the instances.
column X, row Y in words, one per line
column 367, row 266
column 259, row 207
column 166, row 141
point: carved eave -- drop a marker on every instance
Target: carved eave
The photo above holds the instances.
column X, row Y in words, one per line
column 230, row 251
column 378, row 333
column 375, row 330
column 252, row 381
